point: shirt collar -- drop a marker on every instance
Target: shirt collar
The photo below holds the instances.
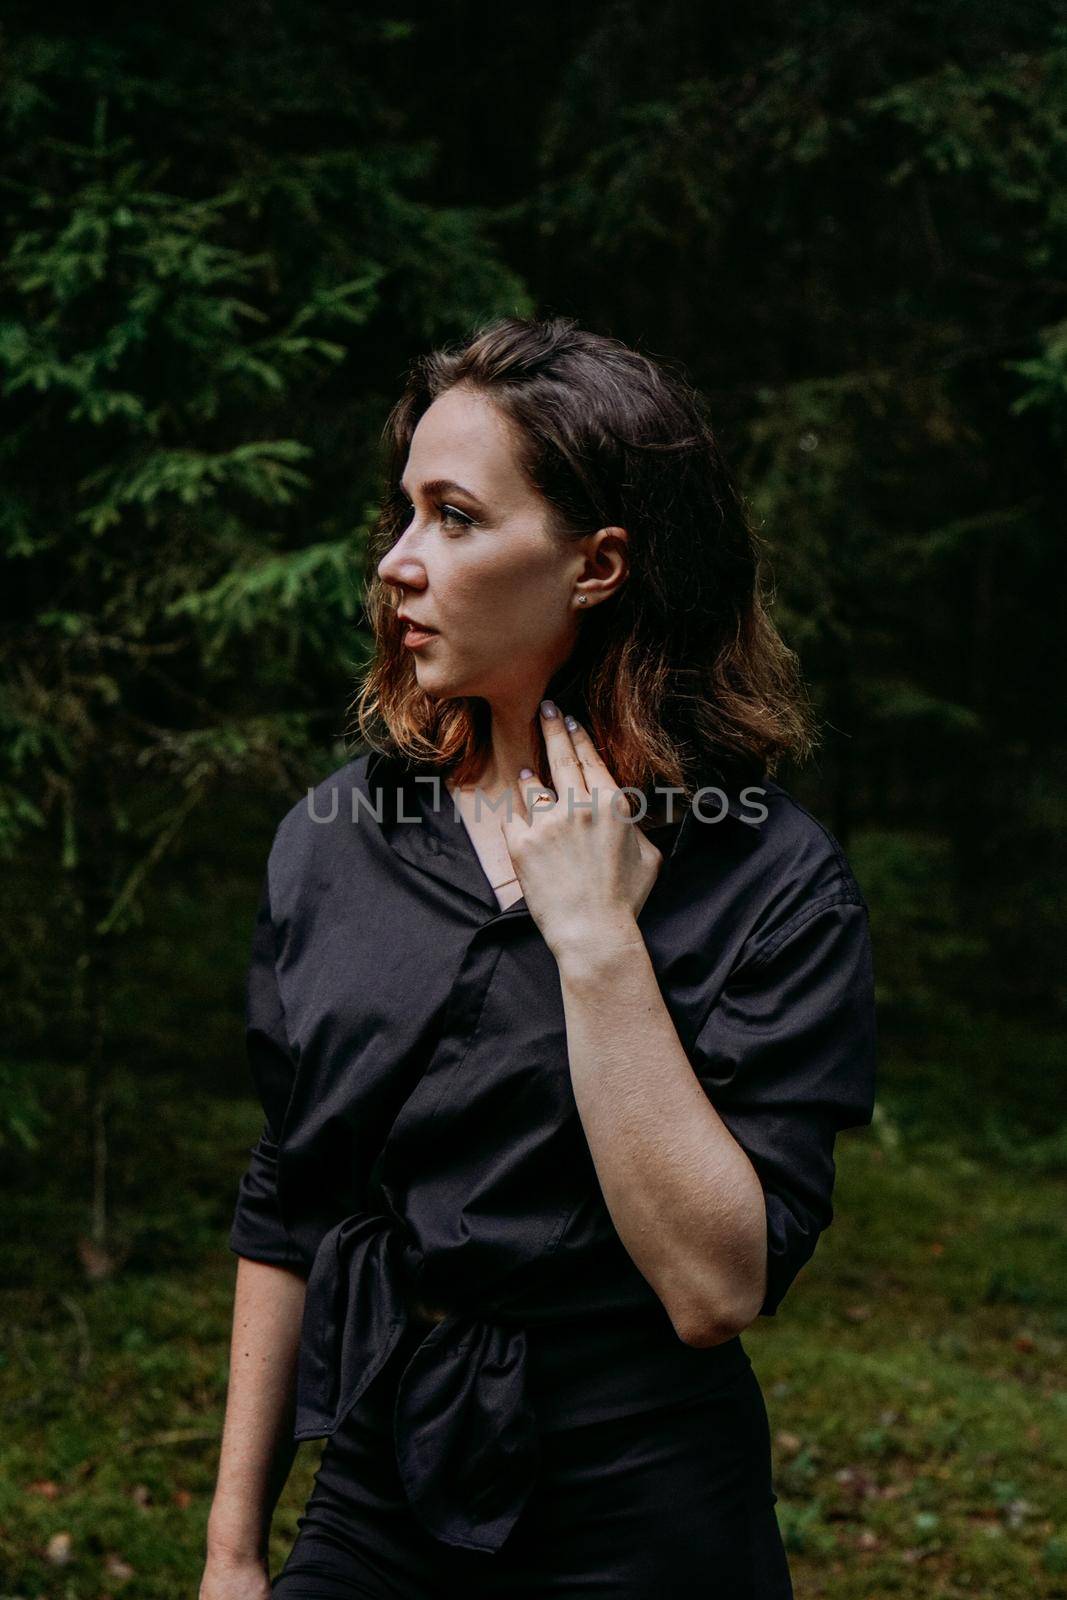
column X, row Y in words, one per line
column 420, row 822
column 722, row 807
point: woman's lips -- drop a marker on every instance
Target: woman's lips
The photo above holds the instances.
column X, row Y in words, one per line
column 414, row 637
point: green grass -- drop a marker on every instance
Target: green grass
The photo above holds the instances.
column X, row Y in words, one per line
column 915, row 1383
column 914, row 1376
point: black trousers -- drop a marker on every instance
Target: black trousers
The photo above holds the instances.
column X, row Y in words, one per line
column 672, row 1502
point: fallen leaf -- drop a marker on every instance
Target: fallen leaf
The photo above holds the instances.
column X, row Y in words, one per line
column 58, row 1549
column 45, row 1488
column 858, row 1482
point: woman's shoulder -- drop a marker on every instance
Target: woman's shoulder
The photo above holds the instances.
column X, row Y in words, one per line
column 800, row 847
column 323, row 824
column 779, row 862
column 775, row 871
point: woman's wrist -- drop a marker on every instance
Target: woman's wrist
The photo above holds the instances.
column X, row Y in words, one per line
column 584, row 954
column 234, row 1537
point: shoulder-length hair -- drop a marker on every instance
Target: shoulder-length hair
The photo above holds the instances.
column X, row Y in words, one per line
column 680, row 677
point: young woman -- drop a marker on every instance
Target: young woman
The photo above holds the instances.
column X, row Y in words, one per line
column 557, row 1003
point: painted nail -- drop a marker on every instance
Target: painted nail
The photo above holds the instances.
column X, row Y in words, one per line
column 570, row 724
column 547, row 708
column 526, row 772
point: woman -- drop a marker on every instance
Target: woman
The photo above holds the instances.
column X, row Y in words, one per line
column 557, row 1003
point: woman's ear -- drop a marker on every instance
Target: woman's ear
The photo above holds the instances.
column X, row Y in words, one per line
column 607, row 563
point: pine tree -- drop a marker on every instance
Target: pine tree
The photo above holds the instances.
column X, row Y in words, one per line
column 173, row 555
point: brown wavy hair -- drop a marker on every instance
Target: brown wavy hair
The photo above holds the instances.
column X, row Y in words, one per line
column 680, row 677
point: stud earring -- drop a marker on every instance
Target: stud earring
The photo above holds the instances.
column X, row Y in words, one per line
column 582, row 598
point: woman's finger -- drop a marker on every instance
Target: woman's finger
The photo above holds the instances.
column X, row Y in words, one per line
column 563, row 761
column 526, row 789
column 587, row 753
column 597, row 773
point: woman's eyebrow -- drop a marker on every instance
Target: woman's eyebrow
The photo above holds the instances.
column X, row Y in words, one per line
column 442, row 486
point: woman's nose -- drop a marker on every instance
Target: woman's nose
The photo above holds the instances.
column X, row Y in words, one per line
column 398, row 566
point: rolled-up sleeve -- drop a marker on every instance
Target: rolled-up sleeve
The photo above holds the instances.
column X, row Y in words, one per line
column 258, row 1230
column 787, row 1055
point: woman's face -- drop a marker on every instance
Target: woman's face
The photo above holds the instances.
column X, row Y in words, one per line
column 476, row 561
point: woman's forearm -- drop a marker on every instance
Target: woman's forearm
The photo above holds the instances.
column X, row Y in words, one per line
column 683, row 1196
column 257, row 1447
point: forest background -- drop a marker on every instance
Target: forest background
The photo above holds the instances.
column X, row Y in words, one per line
column 227, row 231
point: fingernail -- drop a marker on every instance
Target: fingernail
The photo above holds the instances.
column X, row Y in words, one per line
column 547, row 708
column 570, row 724
column 526, row 772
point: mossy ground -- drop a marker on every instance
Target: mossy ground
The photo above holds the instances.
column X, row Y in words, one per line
column 914, row 1377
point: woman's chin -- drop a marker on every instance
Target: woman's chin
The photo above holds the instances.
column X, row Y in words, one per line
column 440, row 684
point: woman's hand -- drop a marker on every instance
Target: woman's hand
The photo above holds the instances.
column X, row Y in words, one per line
column 583, row 863
column 229, row 1577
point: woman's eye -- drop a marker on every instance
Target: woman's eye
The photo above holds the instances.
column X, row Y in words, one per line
column 453, row 512
column 447, row 513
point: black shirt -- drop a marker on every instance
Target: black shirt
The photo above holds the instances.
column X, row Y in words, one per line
column 422, row 1146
